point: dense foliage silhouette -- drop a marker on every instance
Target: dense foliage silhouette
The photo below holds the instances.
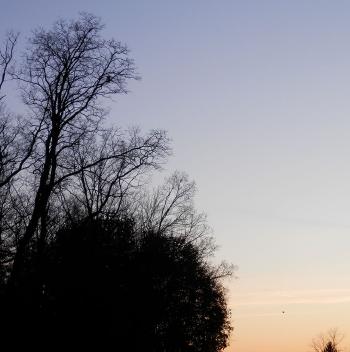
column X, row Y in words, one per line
column 105, row 285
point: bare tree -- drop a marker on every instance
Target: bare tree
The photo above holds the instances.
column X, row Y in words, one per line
column 329, row 342
column 103, row 189
column 170, row 208
column 17, row 143
column 6, row 57
column 17, row 140
column 65, row 74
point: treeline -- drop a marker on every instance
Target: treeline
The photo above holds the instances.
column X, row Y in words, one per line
column 88, row 256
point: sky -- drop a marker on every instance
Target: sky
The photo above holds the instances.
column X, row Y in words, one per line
column 255, row 96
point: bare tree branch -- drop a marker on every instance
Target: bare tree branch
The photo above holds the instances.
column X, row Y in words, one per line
column 6, row 57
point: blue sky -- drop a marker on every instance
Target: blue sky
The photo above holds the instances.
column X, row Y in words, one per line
column 255, row 95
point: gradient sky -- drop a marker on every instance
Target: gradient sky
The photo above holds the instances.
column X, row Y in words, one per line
column 255, row 95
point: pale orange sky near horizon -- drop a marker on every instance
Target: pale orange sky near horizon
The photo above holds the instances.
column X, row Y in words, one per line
column 255, row 96
column 269, row 320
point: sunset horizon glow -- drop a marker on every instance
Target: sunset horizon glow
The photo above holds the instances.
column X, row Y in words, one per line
column 255, row 97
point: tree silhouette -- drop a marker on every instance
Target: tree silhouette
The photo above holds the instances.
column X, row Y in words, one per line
column 329, row 342
column 59, row 150
column 330, row 347
column 106, row 284
column 87, row 256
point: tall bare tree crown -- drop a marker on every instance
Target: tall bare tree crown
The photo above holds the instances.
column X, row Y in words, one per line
column 66, row 73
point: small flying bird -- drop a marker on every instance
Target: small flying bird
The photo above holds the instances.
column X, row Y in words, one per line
column 283, row 311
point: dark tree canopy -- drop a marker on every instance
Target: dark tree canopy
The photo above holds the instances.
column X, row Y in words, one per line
column 105, row 285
